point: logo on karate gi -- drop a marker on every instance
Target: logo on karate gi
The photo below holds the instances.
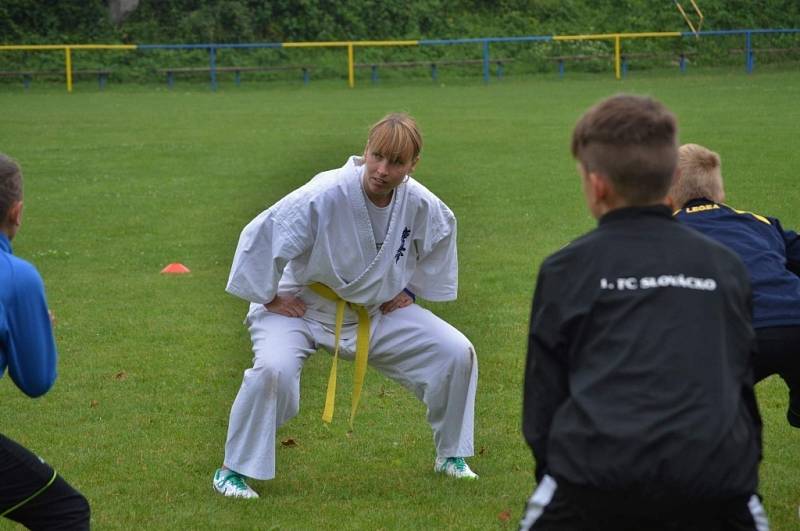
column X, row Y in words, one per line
column 402, row 249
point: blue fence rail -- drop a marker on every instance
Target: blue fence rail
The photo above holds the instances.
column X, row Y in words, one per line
column 485, row 43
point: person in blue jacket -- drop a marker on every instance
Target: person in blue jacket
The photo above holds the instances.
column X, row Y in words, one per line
column 31, row 492
column 770, row 253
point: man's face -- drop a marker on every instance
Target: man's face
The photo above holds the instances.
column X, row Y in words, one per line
column 383, row 175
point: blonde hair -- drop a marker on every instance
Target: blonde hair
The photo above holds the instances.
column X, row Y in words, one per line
column 396, row 137
column 700, row 175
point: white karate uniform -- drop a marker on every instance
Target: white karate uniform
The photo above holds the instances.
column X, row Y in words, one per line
column 322, row 233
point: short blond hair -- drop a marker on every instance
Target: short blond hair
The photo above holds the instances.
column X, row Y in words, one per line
column 700, row 175
column 396, row 137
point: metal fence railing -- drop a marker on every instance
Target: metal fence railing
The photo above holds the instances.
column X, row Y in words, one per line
column 555, row 50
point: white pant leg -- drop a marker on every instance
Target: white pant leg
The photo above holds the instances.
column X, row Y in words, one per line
column 270, row 392
column 438, row 364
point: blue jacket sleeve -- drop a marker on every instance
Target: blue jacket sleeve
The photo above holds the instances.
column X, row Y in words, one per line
column 29, row 347
column 792, row 242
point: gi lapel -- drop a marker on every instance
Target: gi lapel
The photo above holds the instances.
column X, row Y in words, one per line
column 352, row 174
column 375, row 273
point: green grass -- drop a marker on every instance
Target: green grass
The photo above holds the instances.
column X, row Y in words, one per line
column 120, row 183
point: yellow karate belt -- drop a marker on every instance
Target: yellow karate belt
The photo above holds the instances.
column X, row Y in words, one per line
column 362, row 347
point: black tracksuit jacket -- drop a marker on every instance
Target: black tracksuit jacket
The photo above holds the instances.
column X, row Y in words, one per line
column 638, row 376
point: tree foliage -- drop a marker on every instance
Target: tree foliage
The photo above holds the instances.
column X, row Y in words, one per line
column 194, row 21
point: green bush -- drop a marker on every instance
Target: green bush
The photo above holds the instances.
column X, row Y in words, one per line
column 248, row 21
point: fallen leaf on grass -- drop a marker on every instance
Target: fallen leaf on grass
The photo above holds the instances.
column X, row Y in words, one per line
column 94, row 403
column 121, row 375
column 482, row 450
column 288, row 443
column 504, row 516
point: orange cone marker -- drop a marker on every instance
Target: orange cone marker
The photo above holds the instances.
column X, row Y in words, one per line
column 175, row 268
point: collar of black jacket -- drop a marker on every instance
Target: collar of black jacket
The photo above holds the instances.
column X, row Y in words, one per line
column 636, row 212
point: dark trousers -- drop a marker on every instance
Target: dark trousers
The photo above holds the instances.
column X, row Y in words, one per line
column 36, row 496
column 559, row 506
column 779, row 353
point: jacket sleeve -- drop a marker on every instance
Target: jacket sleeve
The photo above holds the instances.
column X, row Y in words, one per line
column 265, row 246
column 792, row 241
column 436, row 275
column 31, row 350
column 545, row 387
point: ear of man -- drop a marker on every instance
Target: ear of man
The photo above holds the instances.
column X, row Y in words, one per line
column 13, row 219
column 600, row 194
column 601, row 186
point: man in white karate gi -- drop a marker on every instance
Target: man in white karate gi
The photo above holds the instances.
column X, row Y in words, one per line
column 337, row 264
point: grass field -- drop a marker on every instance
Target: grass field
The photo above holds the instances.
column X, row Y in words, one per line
column 120, row 183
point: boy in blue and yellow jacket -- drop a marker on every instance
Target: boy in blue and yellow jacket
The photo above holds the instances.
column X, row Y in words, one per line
column 770, row 253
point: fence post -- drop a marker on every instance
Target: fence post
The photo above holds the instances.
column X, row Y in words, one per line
column 212, row 55
column 748, row 50
column 486, row 61
column 68, row 61
column 434, row 73
column 374, row 73
column 682, row 62
column 351, row 71
column 561, row 68
column 306, row 76
column 616, row 56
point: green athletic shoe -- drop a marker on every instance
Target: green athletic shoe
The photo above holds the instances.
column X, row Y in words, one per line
column 455, row 467
column 229, row 483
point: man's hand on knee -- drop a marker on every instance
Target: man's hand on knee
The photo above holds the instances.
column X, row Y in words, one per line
column 287, row 305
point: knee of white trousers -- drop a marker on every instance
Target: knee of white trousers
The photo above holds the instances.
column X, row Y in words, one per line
column 270, row 383
column 458, row 353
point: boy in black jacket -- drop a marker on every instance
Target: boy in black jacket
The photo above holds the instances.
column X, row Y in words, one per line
column 639, row 404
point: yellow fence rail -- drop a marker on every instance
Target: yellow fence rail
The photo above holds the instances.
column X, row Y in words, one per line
column 351, row 71
column 617, row 37
column 351, row 45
